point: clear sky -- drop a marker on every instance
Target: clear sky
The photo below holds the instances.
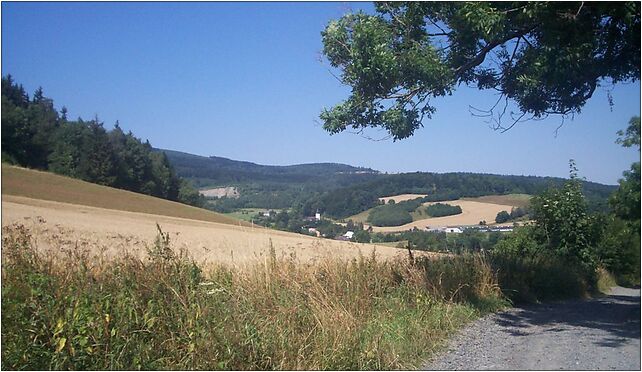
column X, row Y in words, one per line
column 245, row 81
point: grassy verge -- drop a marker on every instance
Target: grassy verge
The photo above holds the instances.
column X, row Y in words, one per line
column 72, row 310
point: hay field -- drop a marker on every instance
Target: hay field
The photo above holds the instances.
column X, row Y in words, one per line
column 402, row 197
column 473, row 210
column 57, row 224
column 472, row 213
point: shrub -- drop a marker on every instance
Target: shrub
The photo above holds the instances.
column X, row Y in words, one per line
column 539, row 277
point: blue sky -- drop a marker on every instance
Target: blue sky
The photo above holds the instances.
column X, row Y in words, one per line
column 244, row 81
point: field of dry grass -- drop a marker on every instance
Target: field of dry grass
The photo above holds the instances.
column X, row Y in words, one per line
column 80, row 214
column 472, row 213
column 517, row 200
column 48, row 186
column 402, row 197
column 113, row 231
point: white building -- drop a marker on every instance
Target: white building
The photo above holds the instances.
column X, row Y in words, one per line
column 453, row 230
column 349, row 234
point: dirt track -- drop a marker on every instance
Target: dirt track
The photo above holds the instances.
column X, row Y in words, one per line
column 597, row 334
column 58, row 224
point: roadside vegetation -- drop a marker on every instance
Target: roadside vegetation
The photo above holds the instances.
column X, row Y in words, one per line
column 72, row 310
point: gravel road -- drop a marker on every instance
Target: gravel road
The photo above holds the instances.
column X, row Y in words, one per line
column 596, row 334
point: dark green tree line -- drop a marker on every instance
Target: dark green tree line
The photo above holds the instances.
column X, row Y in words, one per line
column 35, row 135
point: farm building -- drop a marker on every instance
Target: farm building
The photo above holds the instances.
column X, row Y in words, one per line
column 452, row 230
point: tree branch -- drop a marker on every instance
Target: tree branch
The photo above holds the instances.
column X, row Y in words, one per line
column 481, row 56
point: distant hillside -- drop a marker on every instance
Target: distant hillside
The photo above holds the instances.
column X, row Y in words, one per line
column 218, row 171
column 344, row 202
column 341, row 190
column 265, row 186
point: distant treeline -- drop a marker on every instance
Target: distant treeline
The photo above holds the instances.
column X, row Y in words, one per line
column 265, row 186
column 348, row 201
column 217, row 171
column 36, row 135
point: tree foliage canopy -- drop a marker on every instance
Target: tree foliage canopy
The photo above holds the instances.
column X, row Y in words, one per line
column 546, row 57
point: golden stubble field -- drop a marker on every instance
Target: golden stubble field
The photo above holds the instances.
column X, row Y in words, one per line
column 402, row 197
column 472, row 213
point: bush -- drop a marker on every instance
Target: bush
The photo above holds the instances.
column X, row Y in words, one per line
column 539, row 277
column 619, row 251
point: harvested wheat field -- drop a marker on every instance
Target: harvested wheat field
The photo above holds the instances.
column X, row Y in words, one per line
column 48, row 186
column 58, row 225
column 472, row 213
column 402, row 197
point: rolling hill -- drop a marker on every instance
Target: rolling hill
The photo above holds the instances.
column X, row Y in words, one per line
column 218, row 171
column 23, row 182
column 265, row 186
column 341, row 190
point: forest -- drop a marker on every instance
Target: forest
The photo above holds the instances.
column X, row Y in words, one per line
column 264, row 186
column 37, row 136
